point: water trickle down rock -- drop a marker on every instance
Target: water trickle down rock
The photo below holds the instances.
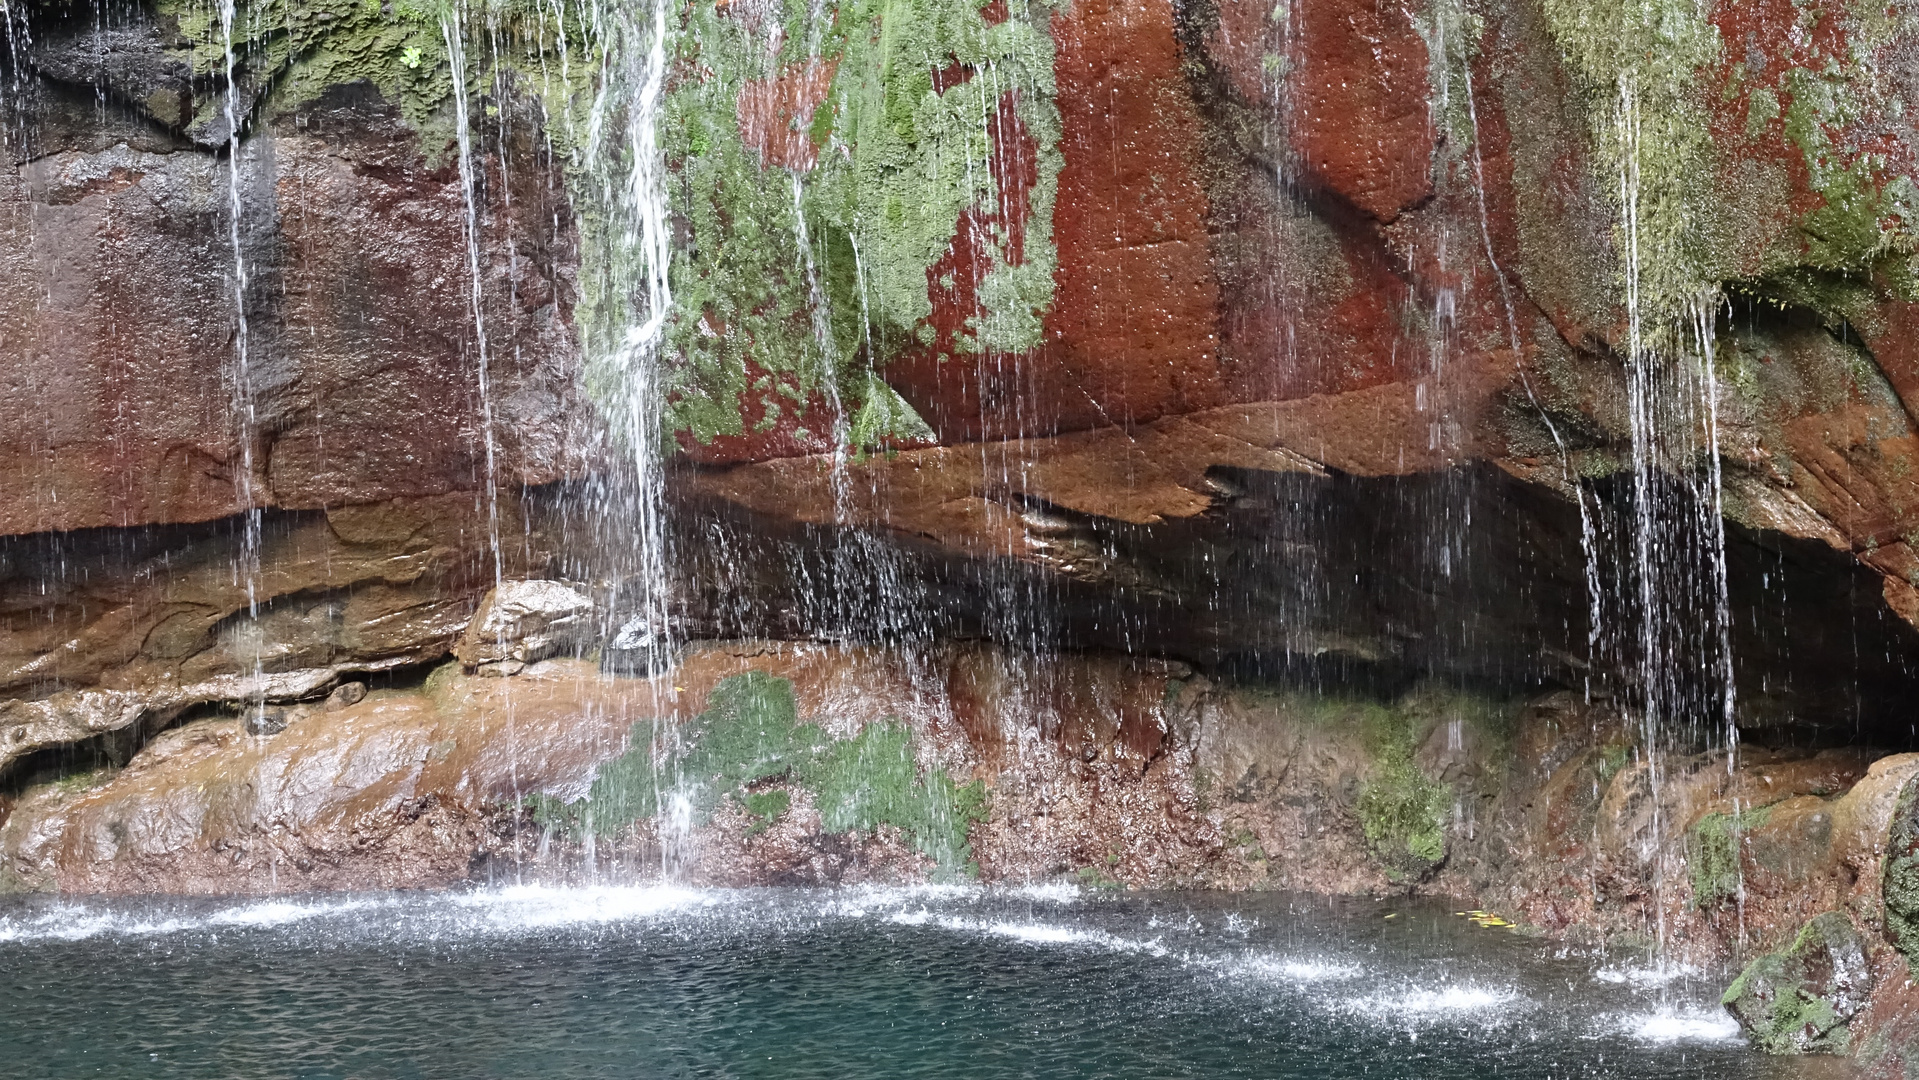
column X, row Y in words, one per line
column 1798, row 1000
column 520, row 622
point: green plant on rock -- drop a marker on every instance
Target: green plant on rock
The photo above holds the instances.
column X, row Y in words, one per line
column 1402, row 811
column 1638, row 62
column 749, row 745
column 807, row 256
column 1712, row 853
column 1641, row 64
column 1800, row 999
column 286, row 53
column 1899, row 883
column 765, row 807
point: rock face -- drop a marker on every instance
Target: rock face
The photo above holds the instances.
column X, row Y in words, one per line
column 124, row 402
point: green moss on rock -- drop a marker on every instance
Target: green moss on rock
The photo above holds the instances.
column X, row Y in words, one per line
column 1638, row 62
column 800, row 279
column 1798, row 1000
column 1402, row 811
column 1712, row 854
column 749, row 745
column 1899, row 886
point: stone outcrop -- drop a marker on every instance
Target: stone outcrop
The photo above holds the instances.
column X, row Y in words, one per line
column 1801, row 998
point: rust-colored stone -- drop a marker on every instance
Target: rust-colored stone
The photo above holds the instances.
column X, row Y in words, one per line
column 1131, row 334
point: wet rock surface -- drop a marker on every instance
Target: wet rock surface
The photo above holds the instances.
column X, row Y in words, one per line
column 120, row 316
column 1273, row 565
column 1798, row 1000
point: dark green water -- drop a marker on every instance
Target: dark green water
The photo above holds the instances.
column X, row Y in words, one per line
column 616, row 983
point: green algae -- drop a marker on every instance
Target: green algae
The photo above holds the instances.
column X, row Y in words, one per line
column 1402, row 811
column 750, row 746
column 1798, row 1000
column 1712, row 854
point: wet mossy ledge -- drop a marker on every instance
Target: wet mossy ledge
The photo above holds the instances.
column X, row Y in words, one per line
column 750, row 748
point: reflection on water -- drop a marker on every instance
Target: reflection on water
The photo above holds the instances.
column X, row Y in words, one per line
column 879, row 983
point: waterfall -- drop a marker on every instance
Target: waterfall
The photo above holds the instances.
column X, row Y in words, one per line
column 453, row 30
column 247, row 563
column 623, row 205
column 1676, row 572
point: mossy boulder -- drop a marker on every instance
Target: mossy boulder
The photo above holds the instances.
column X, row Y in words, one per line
column 1799, row 1000
column 1900, row 885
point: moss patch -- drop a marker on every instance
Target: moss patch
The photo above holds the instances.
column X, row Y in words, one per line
column 1638, row 62
column 1712, row 854
column 1798, row 1000
column 1402, row 811
column 1899, row 886
column 751, row 736
column 766, row 807
column 805, row 258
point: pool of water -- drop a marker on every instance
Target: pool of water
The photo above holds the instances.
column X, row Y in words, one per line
column 869, row 983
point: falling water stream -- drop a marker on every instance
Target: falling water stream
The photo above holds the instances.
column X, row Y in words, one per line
column 246, row 564
column 1677, row 571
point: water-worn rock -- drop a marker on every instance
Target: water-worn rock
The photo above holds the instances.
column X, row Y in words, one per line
column 1798, row 1000
column 121, row 328
column 525, row 621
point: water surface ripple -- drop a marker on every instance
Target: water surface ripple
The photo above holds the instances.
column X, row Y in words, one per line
column 661, row 982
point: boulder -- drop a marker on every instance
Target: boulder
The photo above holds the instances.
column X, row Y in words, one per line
column 1800, row 999
column 520, row 622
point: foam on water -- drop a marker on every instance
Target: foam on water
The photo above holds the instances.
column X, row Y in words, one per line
column 1059, row 892
column 77, row 922
column 1681, row 1025
column 484, row 912
column 274, row 913
column 1646, row 977
column 1292, row 969
column 537, row 907
column 1447, row 1001
column 1030, row 933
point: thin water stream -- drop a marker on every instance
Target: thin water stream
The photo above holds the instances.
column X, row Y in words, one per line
column 929, row 982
